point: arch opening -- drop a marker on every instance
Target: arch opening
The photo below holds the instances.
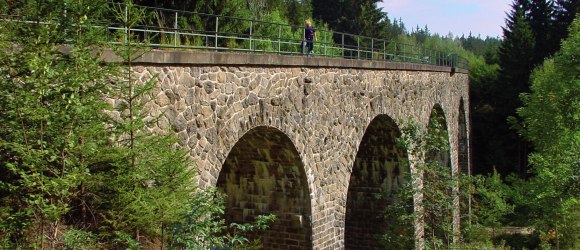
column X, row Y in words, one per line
column 438, row 185
column 264, row 174
column 439, row 136
column 380, row 168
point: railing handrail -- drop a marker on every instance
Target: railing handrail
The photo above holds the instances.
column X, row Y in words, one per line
column 351, row 47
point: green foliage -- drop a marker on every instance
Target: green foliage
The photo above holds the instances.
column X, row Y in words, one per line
column 70, row 161
column 51, row 86
column 202, row 225
column 124, row 240
column 550, row 122
column 491, row 205
column 532, row 33
column 141, row 186
column 438, row 191
column 482, row 245
column 79, row 239
column 354, row 17
column 399, row 214
column 482, row 47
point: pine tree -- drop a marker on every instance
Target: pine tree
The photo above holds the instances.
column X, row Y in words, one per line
column 143, row 183
column 351, row 16
column 51, row 125
column 516, row 55
column 541, row 23
column 565, row 12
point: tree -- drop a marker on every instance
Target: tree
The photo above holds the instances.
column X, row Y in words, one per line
column 516, row 55
column 51, row 125
column 540, row 18
column 76, row 172
column 532, row 33
column 361, row 17
column 564, row 11
column 550, row 122
column 491, row 202
column 437, row 188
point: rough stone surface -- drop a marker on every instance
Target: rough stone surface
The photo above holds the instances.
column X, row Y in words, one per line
column 323, row 111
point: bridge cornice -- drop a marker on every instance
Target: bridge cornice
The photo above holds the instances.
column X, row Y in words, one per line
column 210, row 58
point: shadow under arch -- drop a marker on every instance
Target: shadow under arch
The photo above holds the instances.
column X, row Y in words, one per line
column 380, row 167
column 263, row 174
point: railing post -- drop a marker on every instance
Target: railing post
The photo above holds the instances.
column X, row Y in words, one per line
column 384, row 50
column 217, row 22
column 251, row 27
column 395, row 52
column 126, row 17
column 404, row 52
column 372, row 48
column 279, row 37
column 358, row 47
column 342, row 45
column 324, row 42
column 175, row 31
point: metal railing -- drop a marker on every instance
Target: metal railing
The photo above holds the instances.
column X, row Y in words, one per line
column 166, row 28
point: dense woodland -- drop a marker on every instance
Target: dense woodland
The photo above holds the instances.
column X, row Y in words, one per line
column 69, row 182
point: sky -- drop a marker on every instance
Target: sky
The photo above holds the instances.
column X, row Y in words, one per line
column 481, row 17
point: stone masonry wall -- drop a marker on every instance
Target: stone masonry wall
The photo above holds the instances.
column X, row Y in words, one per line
column 323, row 110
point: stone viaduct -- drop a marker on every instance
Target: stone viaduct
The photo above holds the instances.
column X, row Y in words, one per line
column 308, row 139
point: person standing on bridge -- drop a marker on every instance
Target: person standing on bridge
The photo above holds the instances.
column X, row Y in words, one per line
column 309, row 37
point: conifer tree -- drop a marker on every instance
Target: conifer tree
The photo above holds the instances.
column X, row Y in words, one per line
column 540, row 18
column 516, row 54
column 351, row 16
column 51, row 125
column 144, row 183
column 564, row 11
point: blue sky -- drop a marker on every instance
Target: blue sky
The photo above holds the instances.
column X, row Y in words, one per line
column 484, row 17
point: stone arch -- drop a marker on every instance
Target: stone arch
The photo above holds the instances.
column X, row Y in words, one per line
column 379, row 168
column 463, row 142
column 263, row 173
column 438, row 124
column 436, row 176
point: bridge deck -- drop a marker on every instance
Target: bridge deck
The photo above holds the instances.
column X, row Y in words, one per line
column 177, row 57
